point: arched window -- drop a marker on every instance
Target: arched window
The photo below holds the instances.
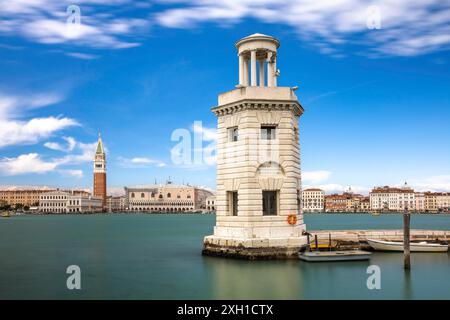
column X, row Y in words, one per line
column 169, row 195
column 178, row 196
column 160, row 196
column 132, row 194
column 153, row 195
column 142, row 195
column 188, row 196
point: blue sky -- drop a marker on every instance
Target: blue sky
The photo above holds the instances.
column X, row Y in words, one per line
column 376, row 100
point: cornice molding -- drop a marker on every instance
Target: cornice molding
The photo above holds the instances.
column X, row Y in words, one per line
column 270, row 105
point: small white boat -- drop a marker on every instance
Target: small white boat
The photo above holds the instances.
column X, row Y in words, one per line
column 330, row 256
column 380, row 245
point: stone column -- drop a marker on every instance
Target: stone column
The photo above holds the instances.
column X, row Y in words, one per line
column 269, row 69
column 261, row 73
column 245, row 72
column 253, row 68
column 241, row 70
column 274, row 71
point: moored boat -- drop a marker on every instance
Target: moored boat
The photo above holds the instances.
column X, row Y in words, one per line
column 381, row 245
column 331, row 256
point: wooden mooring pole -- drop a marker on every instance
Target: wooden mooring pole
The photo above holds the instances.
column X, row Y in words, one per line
column 406, row 238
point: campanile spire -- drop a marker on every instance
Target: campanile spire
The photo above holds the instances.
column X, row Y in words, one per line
column 99, row 189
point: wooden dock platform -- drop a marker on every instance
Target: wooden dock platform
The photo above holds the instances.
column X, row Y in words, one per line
column 350, row 239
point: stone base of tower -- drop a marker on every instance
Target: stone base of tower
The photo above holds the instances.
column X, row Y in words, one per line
column 257, row 248
column 282, row 246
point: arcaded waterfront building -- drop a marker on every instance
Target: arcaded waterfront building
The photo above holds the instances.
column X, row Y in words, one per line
column 258, row 209
column 211, row 203
column 166, row 198
column 116, row 203
column 313, row 200
column 99, row 189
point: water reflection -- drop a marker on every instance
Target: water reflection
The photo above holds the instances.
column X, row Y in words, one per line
column 242, row 279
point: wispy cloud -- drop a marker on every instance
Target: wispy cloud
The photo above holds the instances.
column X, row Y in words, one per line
column 76, row 173
column 71, row 143
column 82, row 56
column 407, row 27
column 76, row 153
column 435, row 183
column 14, row 130
column 315, row 176
column 140, row 162
column 45, row 21
column 25, row 163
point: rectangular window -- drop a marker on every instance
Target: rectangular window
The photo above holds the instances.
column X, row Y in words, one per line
column 233, row 203
column 270, row 203
column 268, row 132
column 233, row 134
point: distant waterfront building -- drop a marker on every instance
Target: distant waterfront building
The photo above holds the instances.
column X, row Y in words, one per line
column 116, row 204
column 443, row 201
column 431, row 202
column 437, row 202
column 69, row 202
column 365, row 204
column 28, row 197
column 336, row 202
column 166, row 198
column 419, row 198
column 211, row 203
column 392, row 199
column 346, row 202
column 99, row 189
column 313, row 200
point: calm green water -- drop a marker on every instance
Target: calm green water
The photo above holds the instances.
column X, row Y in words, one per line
column 159, row 257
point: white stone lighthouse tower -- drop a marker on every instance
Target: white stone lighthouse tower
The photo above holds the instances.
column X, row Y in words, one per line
column 258, row 160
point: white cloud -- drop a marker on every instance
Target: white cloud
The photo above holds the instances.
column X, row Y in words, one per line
column 407, row 27
column 330, row 188
column 71, row 143
column 82, row 56
column 140, row 162
column 14, row 132
column 76, row 173
column 25, row 163
column 439, row 183
column 316, row 176
column 44, row 21
column 12, row 106
column 33, row 162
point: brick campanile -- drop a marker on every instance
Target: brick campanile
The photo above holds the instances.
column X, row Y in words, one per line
column 100, row 172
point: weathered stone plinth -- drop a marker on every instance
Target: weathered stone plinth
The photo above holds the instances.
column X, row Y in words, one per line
column 252, row 249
